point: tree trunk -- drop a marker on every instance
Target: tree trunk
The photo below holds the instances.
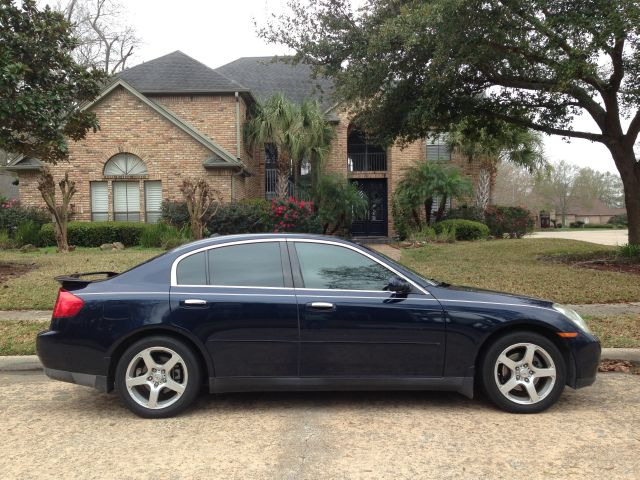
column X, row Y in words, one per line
column 441, row 208
column 629, row 170
column 428, row 205
column 483, row 188
column 416, row 218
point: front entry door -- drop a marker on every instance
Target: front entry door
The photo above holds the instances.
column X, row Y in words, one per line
column 375, row 222
column 350, row 327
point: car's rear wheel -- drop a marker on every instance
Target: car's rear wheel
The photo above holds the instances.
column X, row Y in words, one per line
column 523, row 372
column 158, row 377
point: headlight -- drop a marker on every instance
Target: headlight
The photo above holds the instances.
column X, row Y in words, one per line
column 573, row 316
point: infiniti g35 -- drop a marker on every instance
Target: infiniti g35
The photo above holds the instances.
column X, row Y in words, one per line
column 302, row 312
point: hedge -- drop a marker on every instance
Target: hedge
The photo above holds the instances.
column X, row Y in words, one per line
column 94, row 234
column 513, row 222
column 465, row 229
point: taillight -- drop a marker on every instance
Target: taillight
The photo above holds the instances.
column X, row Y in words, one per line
column 67, row 304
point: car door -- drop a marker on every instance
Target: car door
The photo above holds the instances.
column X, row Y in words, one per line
column 351, row 327
column 239, row 300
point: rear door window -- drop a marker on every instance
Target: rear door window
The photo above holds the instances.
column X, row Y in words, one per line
column 246, row 265
column 192, row 270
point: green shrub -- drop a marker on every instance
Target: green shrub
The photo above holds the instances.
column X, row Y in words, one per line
column 175, row 213
column 5, row 240
column 12, row 215
column 338, row 203
column 467, row 213
column 621, row 219
column 512, row 222
column 28, row 232
column 401, row 219
column 578, row 224
column 94, row 234
column 447, row 234
column 629, row 251
column 464, row 229
column 603, row 225
column 425, row 234
column 163, row 235
column 246, row 216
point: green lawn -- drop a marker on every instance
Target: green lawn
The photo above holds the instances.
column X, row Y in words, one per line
column 616, row 331
column 19, row 337
column 515, row 266
column 36, row 289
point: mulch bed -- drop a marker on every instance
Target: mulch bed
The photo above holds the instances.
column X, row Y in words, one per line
column 622, row 366
column 10, row 270
column 611, row 266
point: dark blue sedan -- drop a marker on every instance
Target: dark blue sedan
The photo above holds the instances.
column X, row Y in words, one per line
column 301, row 312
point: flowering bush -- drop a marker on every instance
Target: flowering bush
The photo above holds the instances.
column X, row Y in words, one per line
column 291, row 215
column 512, row 222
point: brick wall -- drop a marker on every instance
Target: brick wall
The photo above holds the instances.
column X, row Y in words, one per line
column 170, row 155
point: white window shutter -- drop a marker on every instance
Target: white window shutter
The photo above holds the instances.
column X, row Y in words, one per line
column 99, row 201
column 153, row 200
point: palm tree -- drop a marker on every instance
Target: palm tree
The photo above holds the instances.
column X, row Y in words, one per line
column 276, row 121
column 316, row 143
column 426, row 182
column 298, row 132
column 501, row 143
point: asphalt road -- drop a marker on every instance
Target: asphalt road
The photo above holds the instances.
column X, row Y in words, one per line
column 55, row 430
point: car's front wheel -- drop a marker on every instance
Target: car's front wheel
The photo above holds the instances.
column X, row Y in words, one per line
column 523, row 372
column 157, row 377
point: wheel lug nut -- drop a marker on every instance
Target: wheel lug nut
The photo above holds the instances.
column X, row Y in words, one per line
column 531, row 372
column 155, row 384
column 149, row 378
column 162, row 371
column 518, row 377
column 153, row 369
column 526, row 380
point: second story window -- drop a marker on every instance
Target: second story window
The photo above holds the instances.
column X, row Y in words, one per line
column 363, row 155
column 438, row 149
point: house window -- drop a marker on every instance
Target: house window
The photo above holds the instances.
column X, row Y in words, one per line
column 438, row 149
column 99, row 201
column 270, row 170
column 363, row 155
column 125, row 165
column 126, row 201
column 152, row 201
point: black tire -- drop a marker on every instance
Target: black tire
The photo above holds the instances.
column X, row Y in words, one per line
column 491, row 375
column 186, row 374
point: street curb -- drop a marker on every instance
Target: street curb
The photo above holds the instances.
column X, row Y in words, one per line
column 20, row 363
column 25, row 363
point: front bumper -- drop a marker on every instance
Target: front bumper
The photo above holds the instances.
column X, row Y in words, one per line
column 586, row 358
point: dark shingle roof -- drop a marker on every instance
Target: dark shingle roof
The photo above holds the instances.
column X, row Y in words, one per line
column 177, row 73
column 265, row 76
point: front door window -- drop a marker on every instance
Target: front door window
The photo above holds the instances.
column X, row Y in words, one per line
column 333, row 267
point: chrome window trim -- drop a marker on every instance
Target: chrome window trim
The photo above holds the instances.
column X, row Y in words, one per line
column 174, row 265
column 362, row 252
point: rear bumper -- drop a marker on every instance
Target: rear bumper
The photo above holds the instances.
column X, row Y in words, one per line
column 65, row 360
column 98, row 382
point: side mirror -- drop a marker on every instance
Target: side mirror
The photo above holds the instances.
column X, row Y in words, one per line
column 399, row 286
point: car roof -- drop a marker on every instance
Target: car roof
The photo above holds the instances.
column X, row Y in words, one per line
column 218, row 239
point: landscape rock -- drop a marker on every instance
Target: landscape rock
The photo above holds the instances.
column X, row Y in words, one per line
column 118, row 246
column 106, row 246
column 28, row 248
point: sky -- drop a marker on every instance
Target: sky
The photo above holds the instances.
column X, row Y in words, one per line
column 216, row 32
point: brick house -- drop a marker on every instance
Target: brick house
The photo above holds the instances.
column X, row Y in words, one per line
column 174, row 117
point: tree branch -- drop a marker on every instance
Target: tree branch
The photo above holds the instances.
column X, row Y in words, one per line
column 594, row 137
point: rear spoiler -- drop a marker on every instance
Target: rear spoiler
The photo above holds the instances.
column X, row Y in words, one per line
column 77, row 280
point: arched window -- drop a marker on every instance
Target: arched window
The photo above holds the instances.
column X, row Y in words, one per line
column 125, row 164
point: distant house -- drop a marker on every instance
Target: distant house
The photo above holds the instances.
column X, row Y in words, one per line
column 595, row 214
column 174, row 117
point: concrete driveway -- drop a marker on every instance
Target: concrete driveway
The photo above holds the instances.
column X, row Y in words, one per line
column 56, row 430
column 603, row 237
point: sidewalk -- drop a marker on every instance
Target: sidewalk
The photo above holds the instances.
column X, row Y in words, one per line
column 26, row 315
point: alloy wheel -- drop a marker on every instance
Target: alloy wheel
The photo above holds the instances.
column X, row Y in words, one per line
column 525, row 373
column 156, row 377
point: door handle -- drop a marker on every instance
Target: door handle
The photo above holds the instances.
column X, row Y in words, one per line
column 194, row 302
column 321, row 306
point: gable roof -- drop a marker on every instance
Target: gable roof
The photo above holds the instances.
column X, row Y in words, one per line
column 220, row 157
column 177, row 72
column 597, row 207
column 265, row 76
